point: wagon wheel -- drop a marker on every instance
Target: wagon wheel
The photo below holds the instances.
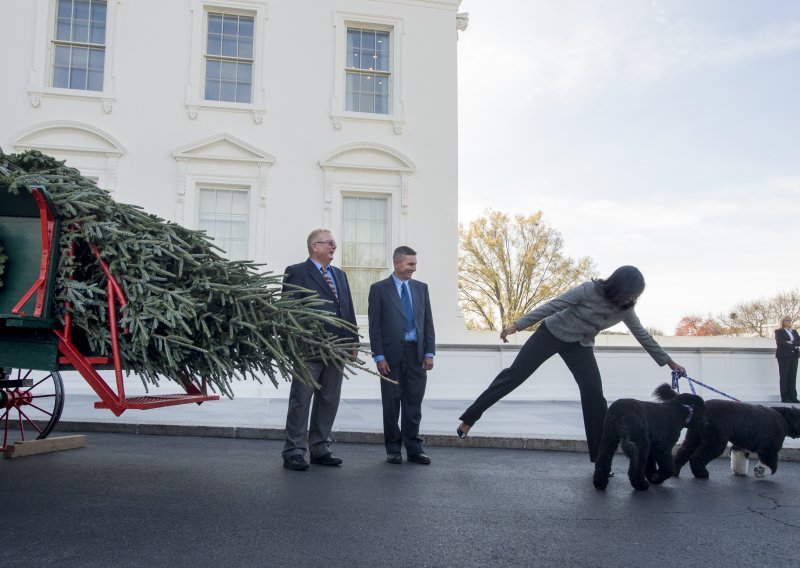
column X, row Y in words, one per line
column 30, row 404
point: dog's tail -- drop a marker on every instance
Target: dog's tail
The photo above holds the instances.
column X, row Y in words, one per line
column 664, row 392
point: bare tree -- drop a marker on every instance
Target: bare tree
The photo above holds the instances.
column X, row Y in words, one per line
column 749, row 318
column 509, row 266
column 786, row 304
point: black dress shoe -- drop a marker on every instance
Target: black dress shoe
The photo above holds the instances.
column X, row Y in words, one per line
column 420, row 458
column 327, row 459
column 295, row 463
column 394, row 458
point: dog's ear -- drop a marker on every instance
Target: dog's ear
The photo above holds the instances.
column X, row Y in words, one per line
column 664, row 392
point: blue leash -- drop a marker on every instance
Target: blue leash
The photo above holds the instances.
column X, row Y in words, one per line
column 676, row 375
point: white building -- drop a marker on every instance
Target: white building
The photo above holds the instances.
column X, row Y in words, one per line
column 258, row 120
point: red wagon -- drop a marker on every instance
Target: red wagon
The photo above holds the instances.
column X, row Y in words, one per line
column 35, row 346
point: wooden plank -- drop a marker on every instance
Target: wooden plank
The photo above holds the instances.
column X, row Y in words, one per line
column 34, row 447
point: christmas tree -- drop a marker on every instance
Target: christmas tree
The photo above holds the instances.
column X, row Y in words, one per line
column 189, row 312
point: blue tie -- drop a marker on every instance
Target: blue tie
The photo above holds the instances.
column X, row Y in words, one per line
column 406, row 299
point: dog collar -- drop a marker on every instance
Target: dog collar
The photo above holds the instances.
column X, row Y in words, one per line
column 690, row 408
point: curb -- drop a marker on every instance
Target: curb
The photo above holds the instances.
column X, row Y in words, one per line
column 353, row 437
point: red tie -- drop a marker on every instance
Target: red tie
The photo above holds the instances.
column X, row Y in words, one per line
column 327, row 278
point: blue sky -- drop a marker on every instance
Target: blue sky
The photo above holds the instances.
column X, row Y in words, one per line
column 664, row 134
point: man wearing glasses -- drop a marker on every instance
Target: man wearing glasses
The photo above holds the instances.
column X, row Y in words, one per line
column 330, row 284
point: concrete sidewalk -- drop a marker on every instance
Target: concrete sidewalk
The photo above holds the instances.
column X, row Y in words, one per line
column 533, row 425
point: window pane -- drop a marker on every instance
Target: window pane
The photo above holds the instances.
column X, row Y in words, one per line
column 95, row 80
column 229, row 46
column 228, row 71
column 230, row 25
column 80, row 57
column 99, row 12
column 61, row 77
column 239, row 202
column 244, row 73
column 77, row 79
column 62, row 55
column 81, row 10
column 243, row 93
column 246, row 48
column 214, row 44
column 246, row 27
column 96, row 59
column 213, row 69
column 215, row 23
column 65, row 8
column 227, row 91
column 80, row 31
column 98, row 33
column 63, row 29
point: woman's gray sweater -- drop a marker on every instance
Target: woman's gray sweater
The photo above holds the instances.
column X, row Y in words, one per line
column 581, row 313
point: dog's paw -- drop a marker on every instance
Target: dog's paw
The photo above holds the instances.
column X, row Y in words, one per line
column 600, row 481
column 739, row 462
column 762, row 471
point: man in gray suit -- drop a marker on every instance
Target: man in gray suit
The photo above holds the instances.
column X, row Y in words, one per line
column 329, row 283
column 403, row 344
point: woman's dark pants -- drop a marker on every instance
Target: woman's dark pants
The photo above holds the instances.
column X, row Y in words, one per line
column 539, row 348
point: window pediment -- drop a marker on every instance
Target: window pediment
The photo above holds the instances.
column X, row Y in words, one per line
column 367, row 157
column 69, row 137
column 223, row 147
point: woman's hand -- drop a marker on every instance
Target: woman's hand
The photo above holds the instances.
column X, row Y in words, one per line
column 508, row 330
column 675, row 367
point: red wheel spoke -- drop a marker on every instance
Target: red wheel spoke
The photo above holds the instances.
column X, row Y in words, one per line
column 40, row 409
column 32, row 423
column 38, row 383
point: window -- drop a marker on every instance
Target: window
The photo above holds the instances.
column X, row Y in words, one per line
column 80, row 45
column 229, row 58
column 223, row 215
column 365, row 249
column 368, row 70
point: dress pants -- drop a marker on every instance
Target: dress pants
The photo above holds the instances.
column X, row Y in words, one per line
column 580, row 361
column 403, row 401
column 322, row 403
column 787, row 367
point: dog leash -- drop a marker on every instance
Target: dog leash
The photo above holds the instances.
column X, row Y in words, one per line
column 676, row 375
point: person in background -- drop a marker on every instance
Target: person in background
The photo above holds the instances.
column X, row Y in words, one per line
column 329, row 283
column 787, row 351
column 568, row 327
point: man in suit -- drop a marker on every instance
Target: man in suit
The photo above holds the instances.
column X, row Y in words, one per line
column 402, row 341
column 329, row 283
column 787, row 351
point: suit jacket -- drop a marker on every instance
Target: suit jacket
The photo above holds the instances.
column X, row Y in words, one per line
column 307, row 275
column 387, row 320
column 785, row 347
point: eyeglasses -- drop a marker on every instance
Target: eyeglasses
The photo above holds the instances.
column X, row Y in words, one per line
column 329, row 243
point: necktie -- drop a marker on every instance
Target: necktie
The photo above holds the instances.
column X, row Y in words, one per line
column 406, row 299
column 327, row 278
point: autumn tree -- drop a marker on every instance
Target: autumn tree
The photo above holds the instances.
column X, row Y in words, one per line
column 508, row 266
column 698, row 325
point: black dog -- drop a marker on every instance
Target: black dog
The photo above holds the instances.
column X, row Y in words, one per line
column 749, row 427
column 648, row 431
